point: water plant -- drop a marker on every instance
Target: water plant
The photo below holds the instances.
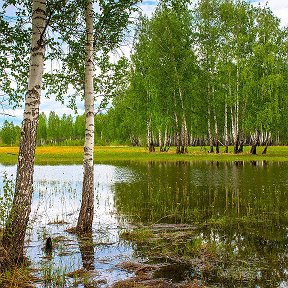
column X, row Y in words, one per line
column 56, row 277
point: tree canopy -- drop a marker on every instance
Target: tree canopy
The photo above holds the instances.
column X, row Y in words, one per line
column 213, row 73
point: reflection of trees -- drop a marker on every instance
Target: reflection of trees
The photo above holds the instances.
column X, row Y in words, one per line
column 240, row 207
column 249, row 254
column 86, row 247
column 87, row 251
column 189, row 192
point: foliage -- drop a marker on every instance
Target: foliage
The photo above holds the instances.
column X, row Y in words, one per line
column 199, row 71
column 65, row 52
column 10, row 134
column 193, row 72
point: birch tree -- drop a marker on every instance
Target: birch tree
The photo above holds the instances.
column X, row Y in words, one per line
column 265, row 87
column 111, row 23
column 85, row 219
column 14, row 232
column 163, row 67
column 208, row 36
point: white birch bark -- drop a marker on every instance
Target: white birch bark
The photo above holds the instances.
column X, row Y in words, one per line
column 210, row 130
column 85, row 219
column 215, row 120
column 166, row 140
column 226, row 127
column 14, row 232
column 160, row 140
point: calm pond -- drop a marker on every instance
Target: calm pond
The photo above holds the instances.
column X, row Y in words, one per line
column 238, row 210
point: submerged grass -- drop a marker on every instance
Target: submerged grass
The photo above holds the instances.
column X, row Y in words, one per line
column 105, row 154
column 184, row 256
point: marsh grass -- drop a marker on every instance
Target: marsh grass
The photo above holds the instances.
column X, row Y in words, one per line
column 54, row 276
column 105, row 154
column 207, row 260
column 173, row 244
column 19, row 276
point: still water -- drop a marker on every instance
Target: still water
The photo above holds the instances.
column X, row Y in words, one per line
column 241, row 207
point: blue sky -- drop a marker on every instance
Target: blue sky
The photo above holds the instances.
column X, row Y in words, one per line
column 279, row 7
column 47, row 105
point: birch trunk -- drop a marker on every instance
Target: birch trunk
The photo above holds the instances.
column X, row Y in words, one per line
column 160, row 141
column 210, row 131
column 85, row 219
column 216, row 141
column 184, row 136
column 267, row 142
column 184, row 130
column 226, row 128
column 235, row 114
column 177, row 134
column 209, row 120
column 216, row 134
column 150, row 142
column 255, row 142
column 166, row 144
column 14, row 232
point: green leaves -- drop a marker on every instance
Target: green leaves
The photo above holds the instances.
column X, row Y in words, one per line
column 14, row 60
column 10, row 134
column 65, row 42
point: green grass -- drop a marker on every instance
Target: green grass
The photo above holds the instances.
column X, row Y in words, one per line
column 105, row 154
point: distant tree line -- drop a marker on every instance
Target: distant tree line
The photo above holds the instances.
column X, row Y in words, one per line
column 62, row 130
column 52, row 130
column 10, row 133
column 70, row 130
column 110, row 129
column 56, row 130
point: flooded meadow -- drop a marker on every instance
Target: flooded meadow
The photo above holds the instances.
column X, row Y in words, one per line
column 175, row 224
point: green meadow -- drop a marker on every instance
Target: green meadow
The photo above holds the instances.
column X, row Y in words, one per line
column 105, row 154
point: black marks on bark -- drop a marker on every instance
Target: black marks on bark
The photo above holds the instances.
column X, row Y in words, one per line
column 89, row 114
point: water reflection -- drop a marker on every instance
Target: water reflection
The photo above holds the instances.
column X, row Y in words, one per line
column 86, row 246
column 202, row 192
column 239, row 207
column 55, row 207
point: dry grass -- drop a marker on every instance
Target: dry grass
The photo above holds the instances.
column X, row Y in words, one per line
column 17, row 277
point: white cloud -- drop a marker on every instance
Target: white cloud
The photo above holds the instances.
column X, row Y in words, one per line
column 48, row 105
column 283, row 15
column 148, row 7
column 278, row 7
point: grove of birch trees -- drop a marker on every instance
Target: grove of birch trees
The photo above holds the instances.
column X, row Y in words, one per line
column 212, row 74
